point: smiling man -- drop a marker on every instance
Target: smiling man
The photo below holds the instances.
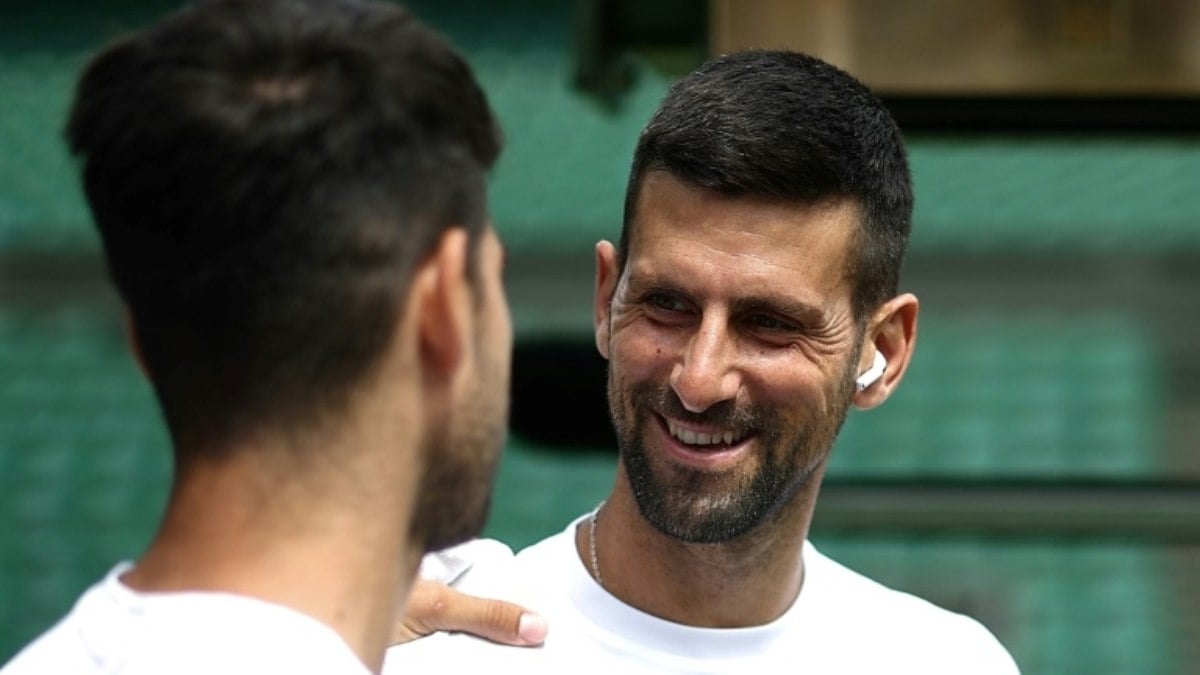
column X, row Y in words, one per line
column 751, row 301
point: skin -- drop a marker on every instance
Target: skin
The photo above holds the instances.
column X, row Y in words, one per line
column 732, row 313
column 271, row 516
column 434, row 606
column 457, row 481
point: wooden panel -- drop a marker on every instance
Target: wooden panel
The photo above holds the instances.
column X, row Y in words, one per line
column 950, row 47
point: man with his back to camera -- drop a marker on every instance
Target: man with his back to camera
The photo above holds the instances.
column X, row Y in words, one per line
column 291, row 197
column 751, row 300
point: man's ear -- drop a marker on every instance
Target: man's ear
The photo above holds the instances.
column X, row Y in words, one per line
column 440, row 305
column 607, row 276
column 892, row 332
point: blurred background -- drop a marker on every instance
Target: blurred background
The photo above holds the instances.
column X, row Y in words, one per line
column 1038, row 469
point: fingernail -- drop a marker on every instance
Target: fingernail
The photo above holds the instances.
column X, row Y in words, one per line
column 532, row 628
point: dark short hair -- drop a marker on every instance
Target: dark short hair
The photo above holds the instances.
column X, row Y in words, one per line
column 786, row 125
column 265, row 176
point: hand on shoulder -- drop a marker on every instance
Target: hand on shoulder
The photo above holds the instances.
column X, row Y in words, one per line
column 435, row 606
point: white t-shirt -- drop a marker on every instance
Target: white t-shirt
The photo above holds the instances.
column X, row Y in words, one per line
column 842, row 622
column 113, row 629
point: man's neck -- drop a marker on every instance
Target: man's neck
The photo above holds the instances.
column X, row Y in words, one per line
column 225, row 531
column 748, row 581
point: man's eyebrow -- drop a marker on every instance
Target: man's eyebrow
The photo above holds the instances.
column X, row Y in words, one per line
column 641, row 280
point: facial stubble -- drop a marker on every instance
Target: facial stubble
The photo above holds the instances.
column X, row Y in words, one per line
column 461, row 459
column 700, row 507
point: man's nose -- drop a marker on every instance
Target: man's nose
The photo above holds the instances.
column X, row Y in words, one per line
column 707, row 373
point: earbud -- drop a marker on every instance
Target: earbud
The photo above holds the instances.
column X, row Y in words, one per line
column 872, row 375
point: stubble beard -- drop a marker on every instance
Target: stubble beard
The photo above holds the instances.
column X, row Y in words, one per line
column 462, row 455
column 700, row 507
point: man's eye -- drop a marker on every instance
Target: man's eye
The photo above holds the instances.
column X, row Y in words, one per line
column 768, row 322
column 666, row 302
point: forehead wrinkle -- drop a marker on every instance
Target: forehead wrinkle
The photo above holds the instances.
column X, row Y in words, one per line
column 768, row 226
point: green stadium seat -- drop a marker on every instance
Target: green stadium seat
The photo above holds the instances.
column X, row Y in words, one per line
column 560, row 184
column 1023, row 396
column 1061, row 607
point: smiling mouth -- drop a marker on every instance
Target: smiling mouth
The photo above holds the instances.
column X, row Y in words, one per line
column 705, row 440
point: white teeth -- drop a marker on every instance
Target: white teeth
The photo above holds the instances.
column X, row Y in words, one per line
column 693, row 438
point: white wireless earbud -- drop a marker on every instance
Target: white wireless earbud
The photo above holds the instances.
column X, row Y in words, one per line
column 873, row 373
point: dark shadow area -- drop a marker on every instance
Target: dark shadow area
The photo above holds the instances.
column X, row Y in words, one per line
column 1061, row 114
column 558, row 395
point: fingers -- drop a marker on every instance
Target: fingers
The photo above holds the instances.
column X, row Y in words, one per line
column 433, row 607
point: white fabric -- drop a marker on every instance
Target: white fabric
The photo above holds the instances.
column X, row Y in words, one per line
column 113, row 629
column 450, row 565
column 842, row 622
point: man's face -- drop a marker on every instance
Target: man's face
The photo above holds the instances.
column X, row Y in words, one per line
column 732, row 346
column 457, row 489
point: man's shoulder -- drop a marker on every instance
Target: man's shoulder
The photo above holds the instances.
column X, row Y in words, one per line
column 488, row 566
column 899, row 625
column 65, row 647
column 833, row 588
column 533, row 578
column 55, row 651
column 468, row 564
column 554, row 549
column 117, row 631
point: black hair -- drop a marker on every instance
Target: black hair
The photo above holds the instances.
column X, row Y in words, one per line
column 786, row 125
column 265, row 176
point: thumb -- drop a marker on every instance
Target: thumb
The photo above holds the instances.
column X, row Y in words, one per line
column 434, row 606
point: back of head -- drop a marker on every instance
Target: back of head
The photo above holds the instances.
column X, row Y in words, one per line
column 265, row 175
column 784, row 125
